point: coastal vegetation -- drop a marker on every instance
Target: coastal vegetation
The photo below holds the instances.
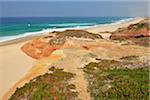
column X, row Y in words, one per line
column 78, row 34
column 132, row 57
column 50, row 86
column 108, row 80
column 119, row 73
column 61, row 37
column 134, row 32
column 142, row 41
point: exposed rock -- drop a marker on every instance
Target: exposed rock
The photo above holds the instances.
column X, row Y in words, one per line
column 42, row 47
column 138, row 30
column 38, row 48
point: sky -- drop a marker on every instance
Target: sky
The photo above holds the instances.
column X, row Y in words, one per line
column 73, row 8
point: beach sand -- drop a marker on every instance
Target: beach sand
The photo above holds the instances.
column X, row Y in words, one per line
column 15, row 64
column 113, row 27
column 103, row 30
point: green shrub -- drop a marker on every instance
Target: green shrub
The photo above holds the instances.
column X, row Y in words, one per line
column 116, row 83
column 49, row 86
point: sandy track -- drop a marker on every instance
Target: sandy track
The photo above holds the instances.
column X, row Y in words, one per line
column 74, row 60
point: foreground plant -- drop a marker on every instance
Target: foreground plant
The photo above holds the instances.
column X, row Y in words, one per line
column 50, row 86
column 108, row 81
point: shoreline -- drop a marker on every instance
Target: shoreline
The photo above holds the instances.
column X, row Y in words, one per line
column 17, row 68
column 18, row 40
column 113, row 26
column 45, row 32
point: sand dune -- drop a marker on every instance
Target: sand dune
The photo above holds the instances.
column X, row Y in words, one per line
column 17, row 67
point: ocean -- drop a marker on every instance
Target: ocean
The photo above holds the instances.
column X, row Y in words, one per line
column 16, row 27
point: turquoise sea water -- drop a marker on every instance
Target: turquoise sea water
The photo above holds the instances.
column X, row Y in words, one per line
column 15, row 27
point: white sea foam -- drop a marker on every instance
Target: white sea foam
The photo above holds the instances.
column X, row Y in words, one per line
column 72, row 24
column 45, row 31
column 115, row 22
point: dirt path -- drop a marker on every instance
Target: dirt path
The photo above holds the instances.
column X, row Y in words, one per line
column 73, row 62
column 75, row 57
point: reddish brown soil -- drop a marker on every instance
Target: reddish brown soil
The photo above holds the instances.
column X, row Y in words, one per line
column 39, row 48
column 138, row 30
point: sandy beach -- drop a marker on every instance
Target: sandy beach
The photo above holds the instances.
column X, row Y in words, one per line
column 113, row 27
column 16, row 65
column 13, row 64
column 103, row 30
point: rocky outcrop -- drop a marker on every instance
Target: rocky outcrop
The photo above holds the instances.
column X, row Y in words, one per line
column 42, row 47
column 39, row 48
column 138, row 30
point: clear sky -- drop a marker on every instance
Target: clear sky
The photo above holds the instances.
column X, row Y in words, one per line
column 61, row 8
